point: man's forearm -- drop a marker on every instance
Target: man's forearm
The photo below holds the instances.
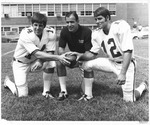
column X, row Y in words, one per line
column 87, row 56
column 46, row 56
column 126, row 61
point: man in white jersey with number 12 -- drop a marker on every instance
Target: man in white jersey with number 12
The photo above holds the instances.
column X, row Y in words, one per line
column 34, row 52
column 114, row 38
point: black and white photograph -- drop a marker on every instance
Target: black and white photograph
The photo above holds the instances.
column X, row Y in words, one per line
column 74, row 62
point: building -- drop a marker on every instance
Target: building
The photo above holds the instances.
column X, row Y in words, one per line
column 16, row 15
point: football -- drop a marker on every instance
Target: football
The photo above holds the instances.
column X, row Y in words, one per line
column 72, row 60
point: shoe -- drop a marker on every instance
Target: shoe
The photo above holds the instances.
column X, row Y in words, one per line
column 146, row 85
column 5, row 81
column 47, row 94
column 13, row 89
column 62, row 96
column 85, row 98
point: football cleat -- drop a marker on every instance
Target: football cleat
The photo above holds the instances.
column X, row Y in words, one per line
column 146, row 85
column 10, row 85
column 5, row 81
column 47, row 94
column 137, row 93
column 62, row 96
column 85, row 98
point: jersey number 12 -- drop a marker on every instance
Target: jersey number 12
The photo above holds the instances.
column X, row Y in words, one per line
column 112, row 49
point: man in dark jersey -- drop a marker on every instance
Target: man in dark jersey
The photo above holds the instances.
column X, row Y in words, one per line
column 78, row 39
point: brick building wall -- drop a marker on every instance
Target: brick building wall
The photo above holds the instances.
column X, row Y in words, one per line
column 120, row 14
column 128, row 11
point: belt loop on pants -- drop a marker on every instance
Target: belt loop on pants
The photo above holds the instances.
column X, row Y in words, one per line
column 14, row 59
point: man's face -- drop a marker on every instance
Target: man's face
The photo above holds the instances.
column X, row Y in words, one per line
column 38, row 28
column 72, row 24
column 100, row 21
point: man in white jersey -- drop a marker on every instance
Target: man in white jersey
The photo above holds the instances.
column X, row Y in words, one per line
column 116, row 42
column 34, row 52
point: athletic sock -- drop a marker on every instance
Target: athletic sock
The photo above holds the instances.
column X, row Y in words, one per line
column 47, row 79
column 139, row 90
column 83, row 86
column 88, row 86
column 62, row 81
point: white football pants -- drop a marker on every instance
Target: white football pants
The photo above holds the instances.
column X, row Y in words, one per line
column 21, row 72
column 107, row 65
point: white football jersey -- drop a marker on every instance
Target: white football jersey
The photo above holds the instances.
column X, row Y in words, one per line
column 29, row 42
column 115, row 43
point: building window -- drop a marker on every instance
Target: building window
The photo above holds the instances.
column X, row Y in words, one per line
column 58, row 9
column 80, row 10
column 95, row 6
column 65, row 9
column 23, row 14
column 6, row 28
column 112, row 8
column 13, row 10
column 50, row 13
column 28, row 10
column 72, row 7
column 88, row 13
column 36, row 7
column 28, row 14
column 113, row 13
column 104, row 5
column 88, row 9
column 15, row 29
column 2, row 29
column 82, row 13
column 21, row 10
column 64, row 13
column 51, row 10
column 43, row 7
column 6, row 9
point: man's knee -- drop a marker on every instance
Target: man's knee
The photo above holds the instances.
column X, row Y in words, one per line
column 49, row 70
column 59, row 64
column 61, row 69
column 87, row 66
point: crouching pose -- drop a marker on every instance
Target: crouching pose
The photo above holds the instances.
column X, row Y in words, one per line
column 78, row 39
column 34, row 52
column 116, row 42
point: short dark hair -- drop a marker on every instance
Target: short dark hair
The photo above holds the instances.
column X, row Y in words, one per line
column 103, row 12
column 72, row 13
column 39, row 18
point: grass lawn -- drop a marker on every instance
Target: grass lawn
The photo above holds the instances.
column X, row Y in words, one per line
column 107, row 104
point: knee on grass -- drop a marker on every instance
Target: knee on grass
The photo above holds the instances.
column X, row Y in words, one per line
column 130, row 96
column 22, row 91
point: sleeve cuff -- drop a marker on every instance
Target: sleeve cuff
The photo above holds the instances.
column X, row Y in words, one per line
column 34, row 51
column 129, row 51
column 93, row 53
